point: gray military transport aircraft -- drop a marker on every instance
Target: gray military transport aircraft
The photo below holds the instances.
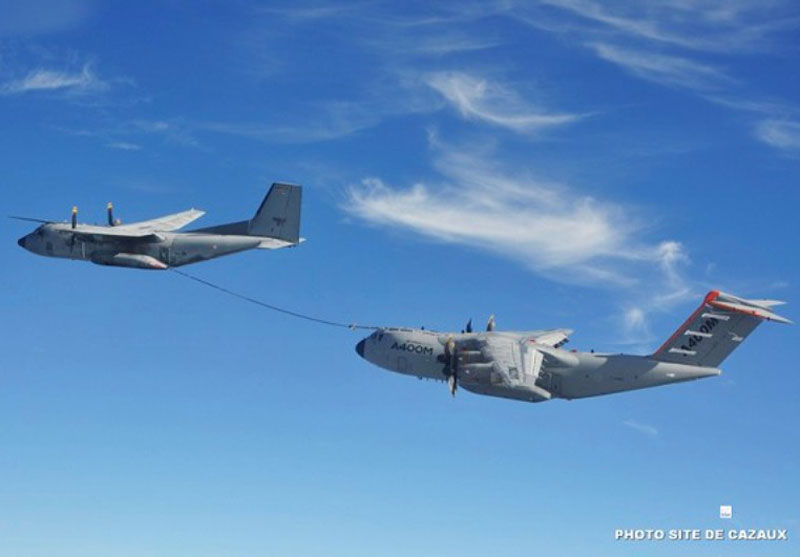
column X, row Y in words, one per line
column 154, row 244
column 532, row 366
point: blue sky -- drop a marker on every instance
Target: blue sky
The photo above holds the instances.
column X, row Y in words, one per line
column 561, row 163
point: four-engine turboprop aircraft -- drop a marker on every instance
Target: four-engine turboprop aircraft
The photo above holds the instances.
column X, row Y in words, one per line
column 532, row 366
column 154, row 244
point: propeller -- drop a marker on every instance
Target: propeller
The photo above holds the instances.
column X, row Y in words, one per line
column 30, row 219
column 74, row 217
column 490, row 323
column 468, row 328
column 111, row 220
column 451, row 364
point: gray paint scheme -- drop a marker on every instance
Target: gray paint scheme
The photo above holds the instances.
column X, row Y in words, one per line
column 155, row 245
column 531, row 365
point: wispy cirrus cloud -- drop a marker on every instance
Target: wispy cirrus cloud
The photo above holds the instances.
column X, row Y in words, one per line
column 447, row 43
column 551, row 228
column 408, row 53
column 494, row 103
column 674, row 71
column 321, row 122
column 644, row 428
column 779, row 133
column 173, row 131
column 479, row 99
column 82, row 82
column 745, row 25
column 125, row 146
column 776, row 124
column 130, row 135
column 681, row 44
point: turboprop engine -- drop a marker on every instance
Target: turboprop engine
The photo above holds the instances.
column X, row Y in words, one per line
column 479, row 373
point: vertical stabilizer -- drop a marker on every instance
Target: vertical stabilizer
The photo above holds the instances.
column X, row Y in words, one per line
column 715, row 329
column 279, row 214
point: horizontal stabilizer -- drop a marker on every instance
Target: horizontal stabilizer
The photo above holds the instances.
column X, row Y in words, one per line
column 768, row 303
column 756, row 308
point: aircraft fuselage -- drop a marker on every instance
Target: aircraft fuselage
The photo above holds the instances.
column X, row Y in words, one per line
column 162, row 250
column 568, row 374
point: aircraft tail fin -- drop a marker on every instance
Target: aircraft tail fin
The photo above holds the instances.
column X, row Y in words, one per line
column 279, row 214
column 715, row 329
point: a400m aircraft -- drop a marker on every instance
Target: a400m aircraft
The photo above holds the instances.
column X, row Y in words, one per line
column 531, row 366
column 154, row 244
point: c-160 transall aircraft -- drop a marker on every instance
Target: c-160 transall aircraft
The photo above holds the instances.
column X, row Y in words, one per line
column 154, row 244
column 532, row 366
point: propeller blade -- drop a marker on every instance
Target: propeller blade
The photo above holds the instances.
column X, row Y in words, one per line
column 451, row 364
column 490, row 323
column 74, row 217
column 468, row 328
column 110, row 211
column 30, row 219
column 449, row 349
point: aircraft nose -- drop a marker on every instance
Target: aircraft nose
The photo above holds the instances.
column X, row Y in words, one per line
column 360, row 348
column 21, row 242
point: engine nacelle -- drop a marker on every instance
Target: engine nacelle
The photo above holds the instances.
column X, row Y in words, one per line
column 477, row 373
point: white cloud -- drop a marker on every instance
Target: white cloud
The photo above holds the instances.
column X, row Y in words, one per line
column 670, row 257
column 443, row 44
column 125, row 146
column 552, row 229
column 663, row 69
column 724, row 26
column 635, row 322
column 774, row 123
column 313, row 13
column 82, row 82
column 494, row 103
column 323, row 122
column 781, row 134
column 679, row 43
column 647, row 429
column 174, row 131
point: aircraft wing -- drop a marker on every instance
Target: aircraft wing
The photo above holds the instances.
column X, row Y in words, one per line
column 85, row 231
column 508, row 367
column 145, row 230
column 161, row 224
column 515, row 361
column 555, row 337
